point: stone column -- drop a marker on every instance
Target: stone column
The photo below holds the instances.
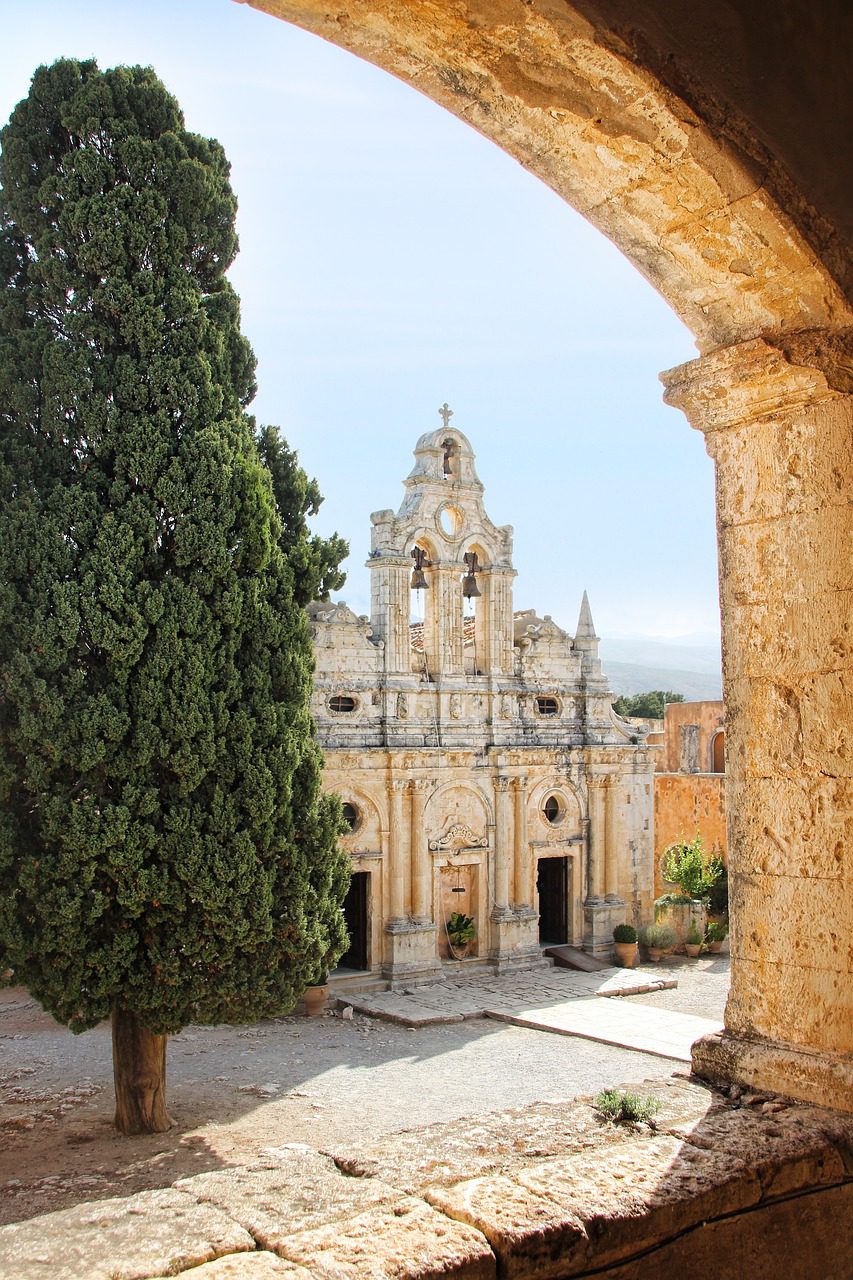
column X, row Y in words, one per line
column 502, row 844
column 421, row 863
column 396, row 850
column 779, row 428
column 523, row 896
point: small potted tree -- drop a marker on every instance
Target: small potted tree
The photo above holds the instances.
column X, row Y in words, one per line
column 625, row 945
column 460, row 933
column 693, row 941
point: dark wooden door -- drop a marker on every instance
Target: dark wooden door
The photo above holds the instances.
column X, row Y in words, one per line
column 552, row 883
column 355, row 914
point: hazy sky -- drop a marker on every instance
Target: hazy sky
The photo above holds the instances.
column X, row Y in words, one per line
column 391, row 259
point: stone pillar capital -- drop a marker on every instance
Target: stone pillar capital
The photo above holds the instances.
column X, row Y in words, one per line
column 501, row 784
column 760, row 379
column 398, row 786
column 519, row 784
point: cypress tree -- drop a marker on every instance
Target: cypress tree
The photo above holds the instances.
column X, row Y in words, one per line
column 166, row 855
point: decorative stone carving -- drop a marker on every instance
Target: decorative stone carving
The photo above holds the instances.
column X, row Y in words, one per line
column 459, row 836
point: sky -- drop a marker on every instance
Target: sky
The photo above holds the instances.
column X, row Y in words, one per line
column 392, row 260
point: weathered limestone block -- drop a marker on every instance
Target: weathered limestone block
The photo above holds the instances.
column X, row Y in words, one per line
column 762, row 1063
column 805, row 1006
column 248, row 1266
column 806, row 925
column 297, row 1190
column 819, row 811
column 155, row 1232
column 443, row 1154
column 403, row 1239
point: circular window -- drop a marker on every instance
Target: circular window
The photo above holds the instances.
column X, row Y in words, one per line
column 547, row 706
column 552, row 810
column 342, row 703
column 350, row 815
column 450, row 520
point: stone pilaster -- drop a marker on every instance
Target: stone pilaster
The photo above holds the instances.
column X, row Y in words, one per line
column 523, row 886
column 502, row 844
column 779, row 426
column 396, row 850
column 421, row 863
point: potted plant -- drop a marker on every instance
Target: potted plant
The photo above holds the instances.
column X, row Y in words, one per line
column 715, row 935
column 460, row 933
column 693, row 941
column 625, row 945
column 657, row 938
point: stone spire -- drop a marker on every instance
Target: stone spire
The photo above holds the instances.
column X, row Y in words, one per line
column 585, row 637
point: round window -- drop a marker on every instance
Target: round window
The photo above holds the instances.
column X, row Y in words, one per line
column 350, row 815
column 342, row 703
column 450, row 520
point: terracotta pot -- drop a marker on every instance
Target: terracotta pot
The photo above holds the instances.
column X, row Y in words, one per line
column 314, row 999
column 715, row 948
column 626, row 954
column 655, row 954
column 692, row 949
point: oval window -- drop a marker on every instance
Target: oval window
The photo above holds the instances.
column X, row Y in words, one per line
column 342, row 702
column 350, row 815
column 547, row 706
column 552, row 810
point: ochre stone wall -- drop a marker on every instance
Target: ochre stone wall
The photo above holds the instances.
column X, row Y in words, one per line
column 687, row 805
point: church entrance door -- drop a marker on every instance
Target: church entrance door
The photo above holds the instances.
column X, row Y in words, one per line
column 552, row 885
column 355, row 914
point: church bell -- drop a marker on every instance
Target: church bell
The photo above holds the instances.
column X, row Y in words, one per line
column 469, row 582
column 419, row 582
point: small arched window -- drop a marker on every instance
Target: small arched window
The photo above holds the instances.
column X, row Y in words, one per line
column 552, row 810
column 718, row 753
column 342, row 703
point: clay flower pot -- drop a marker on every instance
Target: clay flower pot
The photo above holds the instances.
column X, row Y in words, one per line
column 315, row 999
column 655, row 954
column 693, row 949
column 626, row 954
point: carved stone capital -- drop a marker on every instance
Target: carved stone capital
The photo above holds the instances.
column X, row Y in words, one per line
column 519, row 784
column 759, row 379
column 502, row 784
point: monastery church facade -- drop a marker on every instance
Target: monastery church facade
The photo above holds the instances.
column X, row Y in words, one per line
column 481, row 765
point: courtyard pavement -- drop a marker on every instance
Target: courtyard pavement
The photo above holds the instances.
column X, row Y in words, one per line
column 562, row 1001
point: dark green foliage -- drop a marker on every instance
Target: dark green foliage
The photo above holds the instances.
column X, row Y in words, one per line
column 646, row 705
column 624, row 933
column 718, row 894
column 164, row 846
column 460, row 928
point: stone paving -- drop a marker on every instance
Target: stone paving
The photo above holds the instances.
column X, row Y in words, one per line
column 563, row 1001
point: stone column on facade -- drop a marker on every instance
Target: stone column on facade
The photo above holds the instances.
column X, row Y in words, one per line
column 778, row 426
column 421, row 863
column 502, row 845
column 396, row 851
column 611, row 841
column 597, row 837
column 523, row 895
column 587, row 889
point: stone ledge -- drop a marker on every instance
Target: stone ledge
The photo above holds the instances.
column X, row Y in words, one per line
column 545, row 1191
column 822, row 1078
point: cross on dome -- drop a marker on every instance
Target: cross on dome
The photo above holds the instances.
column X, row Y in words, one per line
column 445, row 414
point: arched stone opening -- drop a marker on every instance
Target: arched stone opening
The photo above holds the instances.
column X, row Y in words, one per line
column 715, row 236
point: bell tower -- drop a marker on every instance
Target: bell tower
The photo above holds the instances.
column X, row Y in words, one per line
column 442, row 544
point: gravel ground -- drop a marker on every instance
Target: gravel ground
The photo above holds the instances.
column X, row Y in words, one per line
column 234, row 1091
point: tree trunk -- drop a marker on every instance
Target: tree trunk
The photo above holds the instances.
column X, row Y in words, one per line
column 139, row 1071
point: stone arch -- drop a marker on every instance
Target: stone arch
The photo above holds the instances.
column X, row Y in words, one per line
column 718, row 752
column 567, row 794
column 368, row 833
column 439, row 813
column 720, row 230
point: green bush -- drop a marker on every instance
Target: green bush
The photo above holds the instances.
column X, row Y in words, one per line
column 688, row 865
column 718, row 895
column 626, row 1108
column 694, row 935
column 624, row 933
column 716, row 931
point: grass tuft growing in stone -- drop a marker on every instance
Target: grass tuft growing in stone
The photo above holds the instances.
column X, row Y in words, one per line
column 626, row 1108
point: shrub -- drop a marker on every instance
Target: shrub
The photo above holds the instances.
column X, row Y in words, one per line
column 687, row 865
column 694, row 935
column 460, row 928
column 660, row 936
column 716, row 931
column 626, row 1108
column 718, row 894
column 624, row 933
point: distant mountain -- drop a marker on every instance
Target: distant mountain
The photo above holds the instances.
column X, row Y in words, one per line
column 630, row 678
column 637, row 665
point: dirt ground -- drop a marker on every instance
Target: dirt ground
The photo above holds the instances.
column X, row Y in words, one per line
column 235, row 1091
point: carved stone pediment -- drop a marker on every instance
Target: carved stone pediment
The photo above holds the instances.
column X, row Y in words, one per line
column 458, row 836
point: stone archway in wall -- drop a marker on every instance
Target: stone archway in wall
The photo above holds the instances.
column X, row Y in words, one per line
column 722, row 239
